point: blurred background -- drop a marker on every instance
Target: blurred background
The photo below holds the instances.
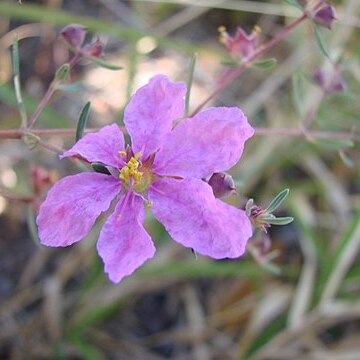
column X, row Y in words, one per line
column 300, row 301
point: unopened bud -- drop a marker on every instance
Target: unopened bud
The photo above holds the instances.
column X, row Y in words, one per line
column 95, row 49
column 222, row 184
column 241, row 45
column 331, row 81
column 74, row 35
column 40, row 178
column 321, row 12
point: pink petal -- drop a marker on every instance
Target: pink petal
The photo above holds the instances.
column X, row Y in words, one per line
column 212, row 141
column 102, row 146
column 151, row 112
column 124, row 245
column 196, row 219
column 72, row 206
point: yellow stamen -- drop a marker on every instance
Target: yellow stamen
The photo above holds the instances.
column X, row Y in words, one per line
column 122, row 153
column 257, row 29
column 130, row 171
column 149, row 204
column 222, row 36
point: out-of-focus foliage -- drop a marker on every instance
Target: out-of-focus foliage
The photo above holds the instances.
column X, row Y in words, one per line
column 57, row 303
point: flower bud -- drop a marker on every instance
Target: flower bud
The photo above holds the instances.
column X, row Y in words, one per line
column 95, row 49
column 331, row 81
column 321, row 12
column 74, row 35
column 222, row 184
column 242, row 45
column 40, row 178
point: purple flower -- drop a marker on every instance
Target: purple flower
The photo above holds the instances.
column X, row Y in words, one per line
column 74, row 35
column 320, row 11
column 164, row 167
column 241, row 45
column 330, row 81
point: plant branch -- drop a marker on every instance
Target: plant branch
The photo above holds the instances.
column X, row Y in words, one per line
column 16, row 134
column 230, row 77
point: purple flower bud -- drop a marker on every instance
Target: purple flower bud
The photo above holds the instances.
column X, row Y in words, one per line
column 241, row 45
column 222, row 184
column 331, row 81
column 321, row 12
column 95, row 49
column 74, row 35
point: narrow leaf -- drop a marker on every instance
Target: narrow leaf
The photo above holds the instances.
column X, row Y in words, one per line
column 265, row 63
column 76, row 86
column 100, row 168
column 281, row 220
column 62, row 72
column 189, row 83
column 230, row 62
column 17, row 87
column 293, row 3
column 103, row 63
column 82, row 121
column 276, row 202
column 15, row 53
column 346, row 159
column 333, row 144
column 320, row 42
column 297, row 93
column 248, row 206
column 31, row 223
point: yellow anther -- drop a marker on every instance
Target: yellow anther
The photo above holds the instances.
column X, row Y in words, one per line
column 257, row 29
column 222, row 36
column 149, row 204
column 138, row 155
column 133, row 164
column 122, row 153
column 130, row 171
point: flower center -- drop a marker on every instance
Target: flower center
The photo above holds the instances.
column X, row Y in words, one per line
column 131, row 175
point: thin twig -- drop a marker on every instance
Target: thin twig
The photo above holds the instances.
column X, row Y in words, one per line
column 259, row 131
column 230, row 77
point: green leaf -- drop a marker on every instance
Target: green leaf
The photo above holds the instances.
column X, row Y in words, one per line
column 62, row 72
column 281, row 220
column 320, row 42
column 343, row 257
column 82, row 121
column 265, row 63
column 31, row 223
column 230, row 62
column 271, row 267
column 15, row 58
column 17, row 87
column 100, row 168
column 189, row 83
column 333, row 144
column 293, row 3
column 76, row 86
column 103, row 63
column 276, row 202
column 297, row 93
column 248, row 206
column 346, row 159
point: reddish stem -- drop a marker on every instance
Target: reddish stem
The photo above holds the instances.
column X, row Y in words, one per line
column 307, row 133
column 259, row 131
column 230, row 77
column 5, row 194
column 49, row 93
